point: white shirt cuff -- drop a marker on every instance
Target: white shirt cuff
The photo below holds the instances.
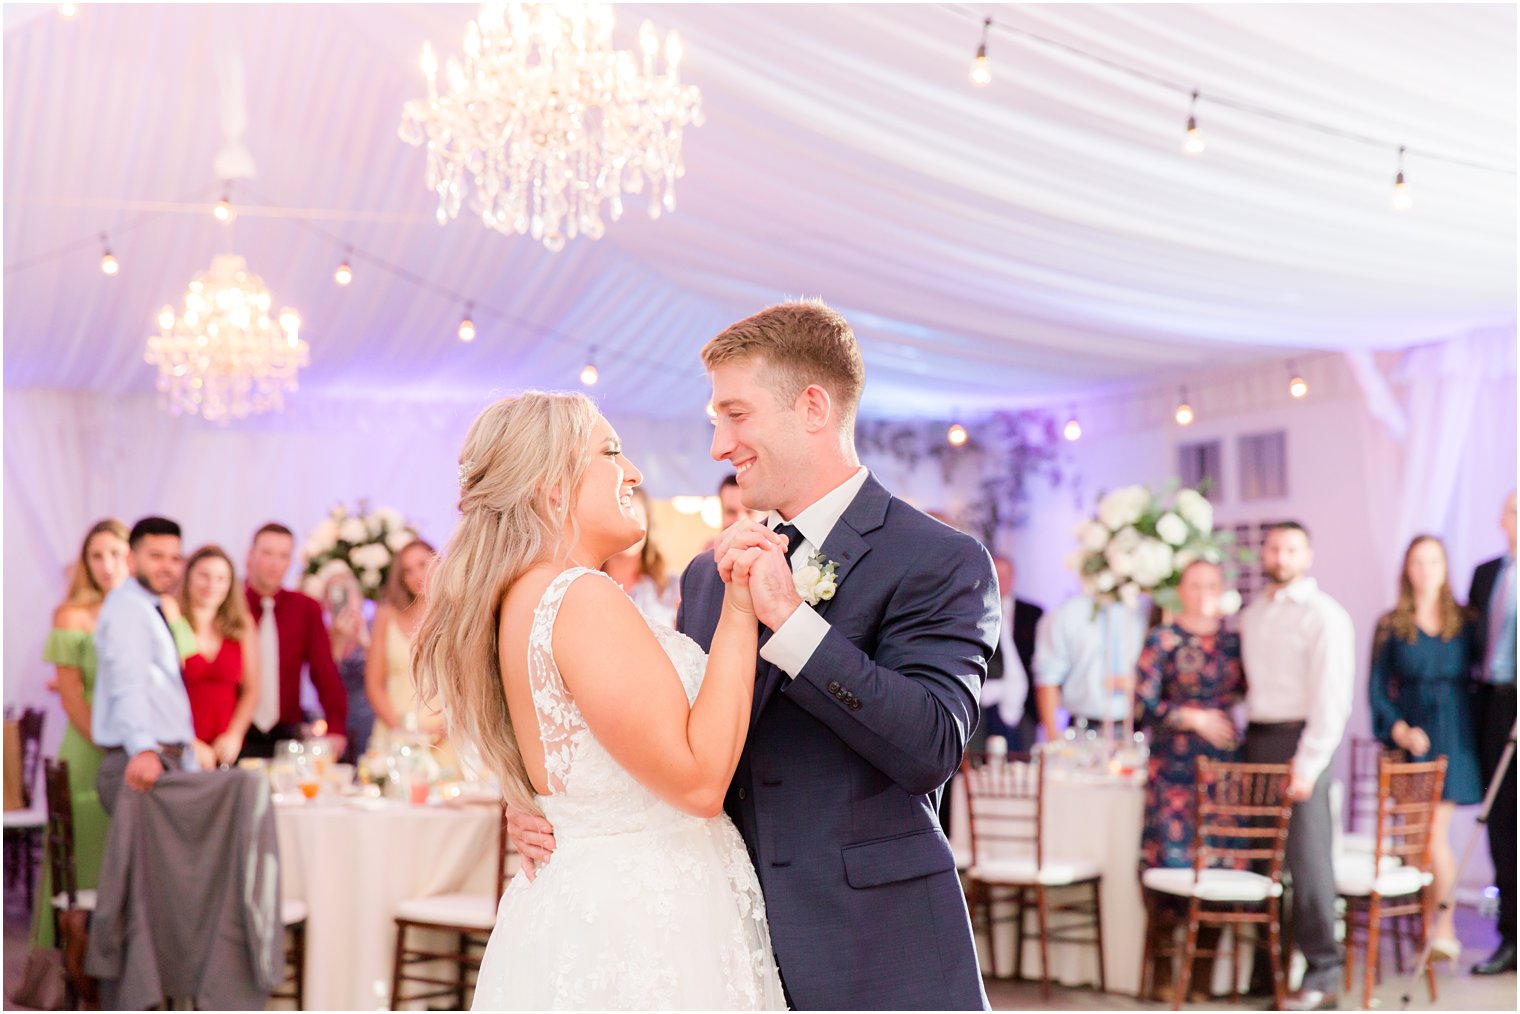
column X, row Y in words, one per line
column 790, row 647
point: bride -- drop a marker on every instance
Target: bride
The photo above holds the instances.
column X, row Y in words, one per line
column 622, row 733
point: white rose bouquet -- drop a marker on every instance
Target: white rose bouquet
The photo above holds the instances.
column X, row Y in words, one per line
column 1140, row 542
column 364, row 542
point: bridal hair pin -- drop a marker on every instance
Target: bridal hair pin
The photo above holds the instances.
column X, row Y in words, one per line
column 465, row 468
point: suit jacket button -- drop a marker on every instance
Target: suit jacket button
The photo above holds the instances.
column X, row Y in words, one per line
column 854, row 704
column 742, row 793
column 834, row 687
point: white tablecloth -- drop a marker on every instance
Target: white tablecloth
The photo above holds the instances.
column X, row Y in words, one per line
column 1098, row 821
column 352, row 866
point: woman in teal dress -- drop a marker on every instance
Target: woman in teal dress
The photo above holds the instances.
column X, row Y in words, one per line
column 1421, row 654
column 102, row 565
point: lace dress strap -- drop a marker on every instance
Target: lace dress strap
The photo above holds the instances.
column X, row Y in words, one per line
column 560, row 725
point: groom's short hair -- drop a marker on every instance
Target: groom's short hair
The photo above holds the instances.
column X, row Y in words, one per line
column 802, row 343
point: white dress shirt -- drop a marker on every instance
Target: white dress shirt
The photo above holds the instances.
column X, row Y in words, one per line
column 790, row 647
column 1009, row 693
column 1080, row 653
column 1298, row 649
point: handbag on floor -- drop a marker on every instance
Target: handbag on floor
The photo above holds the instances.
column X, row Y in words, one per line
column 42, row 985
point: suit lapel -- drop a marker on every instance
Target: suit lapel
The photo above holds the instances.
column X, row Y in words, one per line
column 846, row 545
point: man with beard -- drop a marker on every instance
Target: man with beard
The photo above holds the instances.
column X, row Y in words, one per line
column 1298, row 649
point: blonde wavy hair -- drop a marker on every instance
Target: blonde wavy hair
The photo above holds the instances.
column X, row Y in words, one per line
column 83, row 589
column 523, row 459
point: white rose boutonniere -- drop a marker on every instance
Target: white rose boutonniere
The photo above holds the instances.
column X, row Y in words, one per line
column 815, row 581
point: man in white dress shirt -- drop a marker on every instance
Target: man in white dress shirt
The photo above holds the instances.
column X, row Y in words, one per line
column 1298, row 649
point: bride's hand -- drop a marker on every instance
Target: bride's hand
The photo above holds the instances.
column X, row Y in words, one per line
column 742, row 534
column 736, row 565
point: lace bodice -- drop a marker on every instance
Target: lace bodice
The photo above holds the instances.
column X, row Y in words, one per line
column 589, row 792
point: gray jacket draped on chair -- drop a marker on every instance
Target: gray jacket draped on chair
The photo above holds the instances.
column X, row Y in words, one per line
column 189, row 897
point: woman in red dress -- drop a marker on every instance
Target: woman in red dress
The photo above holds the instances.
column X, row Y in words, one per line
column 222, row 677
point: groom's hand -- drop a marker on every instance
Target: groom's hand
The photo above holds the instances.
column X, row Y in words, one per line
column 739, row 536
column 532, row 836
column 771, row 588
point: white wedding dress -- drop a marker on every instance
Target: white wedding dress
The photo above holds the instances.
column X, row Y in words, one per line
column 642, row 906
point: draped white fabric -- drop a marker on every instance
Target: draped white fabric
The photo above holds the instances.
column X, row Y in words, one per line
column 995, row 245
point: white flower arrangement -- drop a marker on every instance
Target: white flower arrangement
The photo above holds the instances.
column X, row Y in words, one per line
column 1139, row 544
column 814, row 581
column 364, row 542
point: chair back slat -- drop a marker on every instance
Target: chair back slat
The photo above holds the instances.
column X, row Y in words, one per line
column 29, row 728
column 58, row 835
column 1004, row 805
column 1407, row 796
column 1367, row 756
column 503, row 848
column 1241, row 814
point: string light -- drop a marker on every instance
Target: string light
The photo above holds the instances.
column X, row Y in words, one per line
column 957, row 435
column 1184, row 410
column 981, row 70
column 108, row 262
column 1298, row 387
column 223, row 211
column 589, row 374
column 466, row 325
column 344, row 274
column 1401, row 199
column 1193, row 142
column 712, row 413
column 68, row 11
column 1072, row 431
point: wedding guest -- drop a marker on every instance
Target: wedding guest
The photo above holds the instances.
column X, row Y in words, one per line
column 1080, row 651
column 1189, row 677
column 1492, row 599
column 640, row 570
column 141, row 715
column 343, row 607
column 1298, row 648
column 388, row 673
column 70, row 647
column 291, row 637
column 1418, row 690
column 732, row 505
column 222, row 677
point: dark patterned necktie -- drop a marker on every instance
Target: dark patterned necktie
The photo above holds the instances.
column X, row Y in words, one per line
column 793, row 537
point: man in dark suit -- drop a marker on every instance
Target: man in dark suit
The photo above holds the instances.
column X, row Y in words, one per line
column 1016, row 717
column 874, row 640
column 1492, row 599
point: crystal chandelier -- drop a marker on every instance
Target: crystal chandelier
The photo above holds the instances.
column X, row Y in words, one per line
column 224, row 358
column 543, row 121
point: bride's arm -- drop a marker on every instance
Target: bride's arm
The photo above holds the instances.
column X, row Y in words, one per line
column 633, row 702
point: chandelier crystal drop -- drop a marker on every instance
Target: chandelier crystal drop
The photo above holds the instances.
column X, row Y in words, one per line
column 542, row 122
column 223, row 357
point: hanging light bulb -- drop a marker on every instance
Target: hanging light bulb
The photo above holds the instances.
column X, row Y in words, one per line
column 1193, row 142
column 223, row 211
column 981, row 69
column 1184, row 410
column 712, row 413
column 957, row 435
column 589, row 374
column 108, row 262
column 68, row 11
column 466, row 325
column 1401, row 199
column 1298, row 387
column 344, row 274
column 1072, row 431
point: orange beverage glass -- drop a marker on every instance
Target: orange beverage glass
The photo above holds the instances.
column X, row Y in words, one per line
column 309, row 789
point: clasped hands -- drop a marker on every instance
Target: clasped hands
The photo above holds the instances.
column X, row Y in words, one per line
column 752, row 562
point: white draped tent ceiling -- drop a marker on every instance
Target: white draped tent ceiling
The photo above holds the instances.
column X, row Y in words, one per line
column 1017, row 244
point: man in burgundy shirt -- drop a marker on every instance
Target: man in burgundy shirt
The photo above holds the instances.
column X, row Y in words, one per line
column 291, row 635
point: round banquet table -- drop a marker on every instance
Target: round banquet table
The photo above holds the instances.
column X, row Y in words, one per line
column 1091, row 818
column 351, row 863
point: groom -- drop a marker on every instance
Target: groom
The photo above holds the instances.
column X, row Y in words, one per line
column 865, row 699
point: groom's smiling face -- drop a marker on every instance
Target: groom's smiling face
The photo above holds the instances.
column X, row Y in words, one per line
column 760, row 436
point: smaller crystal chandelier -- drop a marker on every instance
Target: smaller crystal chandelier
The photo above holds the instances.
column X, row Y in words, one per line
column 224, row 357
column 543, row 122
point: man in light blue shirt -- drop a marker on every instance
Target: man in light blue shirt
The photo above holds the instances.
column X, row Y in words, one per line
column 141, row 717
column 1080, row 651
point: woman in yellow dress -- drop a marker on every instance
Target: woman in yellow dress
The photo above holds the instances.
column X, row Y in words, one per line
column 388, row 672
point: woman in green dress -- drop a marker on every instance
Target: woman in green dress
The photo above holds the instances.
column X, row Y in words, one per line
column 102, row 565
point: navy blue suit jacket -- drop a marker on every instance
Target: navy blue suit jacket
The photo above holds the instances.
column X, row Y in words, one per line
column 837, row 791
